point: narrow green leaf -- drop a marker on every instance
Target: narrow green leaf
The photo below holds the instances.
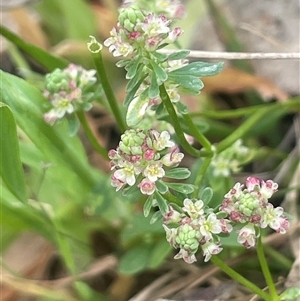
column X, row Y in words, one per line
column 179, row 173
column 160, row 56
column 148, row 206
column 155, row 217
column 43, row 57
column 161, row 74
column 153, row 89
column 178, row 55
column 73, row 125
column 132, row 68
column 162, row 203
column 182, row 188
column 161, row 187
column 206, row 195
column 11, row 169
column 199, row 69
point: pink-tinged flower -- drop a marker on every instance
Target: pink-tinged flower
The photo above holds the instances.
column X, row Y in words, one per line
column 273, row 218
column 188, row 256
column 210, row 248
column 155, row 25
column 154, row 171
column 252, row 184
column 193, row 209
column 161, row 140
column 147, row 187
column 126, row 173
column 268, row 188
column 235, row 192
column 149, row 154
column 174, row 34
column 117, row 183
column 173, row 158
column 112, row 154
column 152, row 43
column 247, row 236
column 210, row 225
column 50, row 117
column 171, row 235
column 225, row 225
column 227, row 206
column 172, row 216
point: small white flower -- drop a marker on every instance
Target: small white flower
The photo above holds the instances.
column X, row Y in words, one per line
column 126, row 173
column 162, row 140
column 247, row 236
column 273, row 218
column 193, row 209
column 187, row 256
column 209, row 226
column 154, row 171
column 210, row 248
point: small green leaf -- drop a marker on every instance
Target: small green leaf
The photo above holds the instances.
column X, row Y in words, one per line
column 191, row 83
column 161, row 187
column 161, row 57
column 206, row 195
column 11, row 169
column 153, row 89
column 178, row 55
column 122, row 63
column 161, row 74
column 162, row 203
column 148, row 205
column 291, row 294
column 199, row 69
column 182, row 188
column 132, row 69
column 135, row 260
column 182, row 108
column 155, row 217
column 73, row 124
column 137, row 109
column 130, row 95
column 134, row 81
column 179, row 173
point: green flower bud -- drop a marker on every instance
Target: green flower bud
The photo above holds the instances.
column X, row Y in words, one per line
column 130, row 16
column 57, row 81
column 187, row 238
column 248, row 204
column 132, row 141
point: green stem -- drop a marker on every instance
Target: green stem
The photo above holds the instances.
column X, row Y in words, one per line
column 242, row 130
column 265, row 270
column 98, row 60
column 196, row 133
column 176, row 124
column 238, row 277
column 292, row 103
column 205, row 164
column 99, row 148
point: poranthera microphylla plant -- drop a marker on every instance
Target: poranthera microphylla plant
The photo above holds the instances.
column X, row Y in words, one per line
column 147, row 159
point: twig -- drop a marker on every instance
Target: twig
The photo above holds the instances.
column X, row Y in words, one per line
column 238, row 55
